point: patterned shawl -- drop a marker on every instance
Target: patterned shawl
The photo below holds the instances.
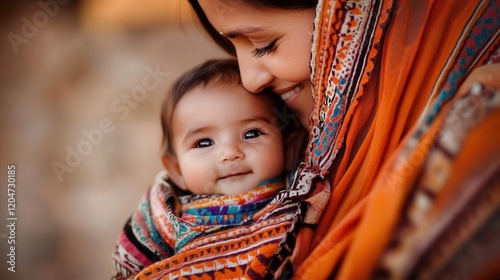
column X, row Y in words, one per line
column 167, row 223
column 412, row 160
column 396, row 154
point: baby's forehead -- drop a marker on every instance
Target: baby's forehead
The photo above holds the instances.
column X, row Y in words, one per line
column 231, row 101
column 239, row 93
column 227, row 105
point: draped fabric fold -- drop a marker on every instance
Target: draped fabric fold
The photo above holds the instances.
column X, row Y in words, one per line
column 416, row 156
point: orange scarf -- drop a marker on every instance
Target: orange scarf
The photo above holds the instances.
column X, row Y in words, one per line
column 404, row 155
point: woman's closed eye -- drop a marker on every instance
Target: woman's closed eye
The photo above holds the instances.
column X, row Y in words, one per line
column 260, row 52
column 203, row 143
column 253, row 133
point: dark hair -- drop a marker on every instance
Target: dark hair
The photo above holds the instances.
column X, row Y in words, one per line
column 222, row 41
column 213, row 72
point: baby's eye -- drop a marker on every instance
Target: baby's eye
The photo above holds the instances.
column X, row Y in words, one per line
column 254, row 133
column 203, row 143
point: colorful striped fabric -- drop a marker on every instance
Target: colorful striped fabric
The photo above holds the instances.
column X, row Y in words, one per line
column 194, row 228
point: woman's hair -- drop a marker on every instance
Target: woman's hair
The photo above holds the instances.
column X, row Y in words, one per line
column 222, row 41
column 213, row 72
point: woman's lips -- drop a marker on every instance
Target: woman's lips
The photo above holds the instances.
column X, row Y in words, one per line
column 288, row 95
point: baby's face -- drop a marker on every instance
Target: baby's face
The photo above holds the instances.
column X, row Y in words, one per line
column 226, row 140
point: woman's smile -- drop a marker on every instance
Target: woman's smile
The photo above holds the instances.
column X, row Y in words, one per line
column 290, row 95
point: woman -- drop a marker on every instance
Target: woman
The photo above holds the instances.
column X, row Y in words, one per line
column 401, row 172
column 384, row 77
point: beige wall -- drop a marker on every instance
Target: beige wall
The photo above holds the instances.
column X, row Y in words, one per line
column 97, row 14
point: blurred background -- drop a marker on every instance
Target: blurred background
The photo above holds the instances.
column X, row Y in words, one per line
column 71, row 69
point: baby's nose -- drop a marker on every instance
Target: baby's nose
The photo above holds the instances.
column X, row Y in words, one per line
column 231, row 153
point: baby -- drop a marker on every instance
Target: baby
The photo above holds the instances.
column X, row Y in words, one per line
column 224, row 156
column 218, row 137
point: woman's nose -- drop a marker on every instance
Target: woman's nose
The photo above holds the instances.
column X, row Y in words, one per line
column 231, row 152
column 254, row 75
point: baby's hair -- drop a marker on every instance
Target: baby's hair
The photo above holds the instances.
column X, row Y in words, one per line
column 213, row 72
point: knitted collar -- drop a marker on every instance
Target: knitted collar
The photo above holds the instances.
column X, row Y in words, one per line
column 193, row 215
column 209, row 210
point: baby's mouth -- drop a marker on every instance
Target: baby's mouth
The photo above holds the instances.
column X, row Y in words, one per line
column 236, row 175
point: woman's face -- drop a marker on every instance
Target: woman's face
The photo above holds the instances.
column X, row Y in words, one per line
column 273, row 48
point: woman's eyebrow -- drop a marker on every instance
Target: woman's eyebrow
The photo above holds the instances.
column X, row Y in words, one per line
column 243, row 30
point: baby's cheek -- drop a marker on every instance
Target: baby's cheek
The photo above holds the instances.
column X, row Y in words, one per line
column 198, row 176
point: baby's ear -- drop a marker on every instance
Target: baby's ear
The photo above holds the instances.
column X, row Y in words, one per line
column 171, row 164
